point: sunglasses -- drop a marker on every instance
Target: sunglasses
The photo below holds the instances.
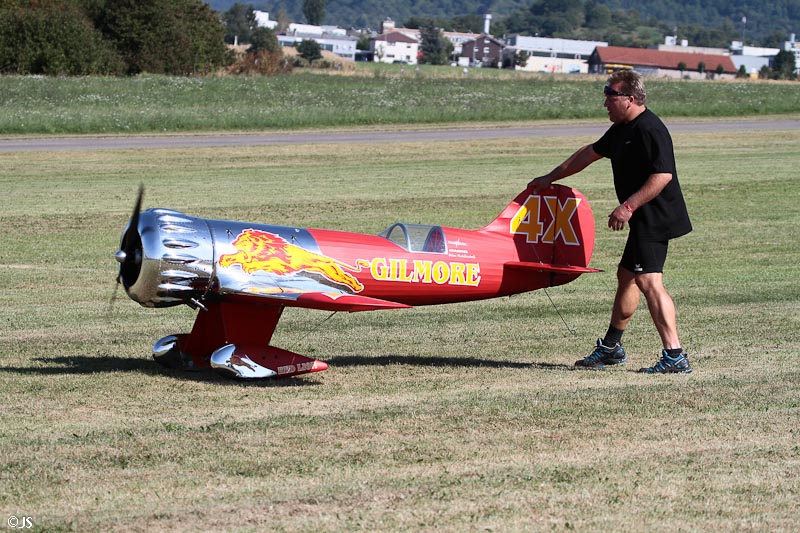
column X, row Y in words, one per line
column 608, row 91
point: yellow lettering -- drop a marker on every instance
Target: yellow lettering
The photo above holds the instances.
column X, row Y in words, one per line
column 441, row 272
column 551, row 202
column 563, row 222
column 401, row 269
column 526, row 221
column 378, row 269
column 457, row 271
column 422, row 270
column 529, row 221
column 473, row 274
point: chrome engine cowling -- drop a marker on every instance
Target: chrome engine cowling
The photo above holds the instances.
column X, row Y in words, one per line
column 166, row 258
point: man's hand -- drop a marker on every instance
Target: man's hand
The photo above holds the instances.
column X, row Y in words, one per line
column 539, row 184
column 618, row 217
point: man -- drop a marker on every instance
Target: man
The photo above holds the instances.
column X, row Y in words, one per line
column 651, row 203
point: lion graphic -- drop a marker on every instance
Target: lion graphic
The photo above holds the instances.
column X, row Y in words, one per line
column 267, row 252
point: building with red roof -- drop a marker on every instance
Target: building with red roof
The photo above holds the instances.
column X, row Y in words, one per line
column 660, row 63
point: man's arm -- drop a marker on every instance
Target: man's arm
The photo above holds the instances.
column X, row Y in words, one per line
column 581, row 159
column 651, row 188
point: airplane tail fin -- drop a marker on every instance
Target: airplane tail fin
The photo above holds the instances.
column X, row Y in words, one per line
column 553, row 231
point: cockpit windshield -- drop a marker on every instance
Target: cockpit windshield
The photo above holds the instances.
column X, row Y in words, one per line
column 417, row 237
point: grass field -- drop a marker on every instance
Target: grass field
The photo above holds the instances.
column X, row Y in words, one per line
column 161, row 104
column 453, row 418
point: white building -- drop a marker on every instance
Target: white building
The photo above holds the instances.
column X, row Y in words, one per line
column 752, row 58
column 394, row 47
column 457, row 38
column 263, row 21
column 330, row 38
column 671, row 45
column 553, row 55
column 793, row 46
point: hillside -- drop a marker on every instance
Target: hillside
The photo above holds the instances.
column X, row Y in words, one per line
column 774, row 19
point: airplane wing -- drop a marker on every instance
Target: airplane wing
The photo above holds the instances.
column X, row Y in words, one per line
column 325, row 301
column 544, row 267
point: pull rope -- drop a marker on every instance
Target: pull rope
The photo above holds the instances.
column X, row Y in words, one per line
column 312, row 330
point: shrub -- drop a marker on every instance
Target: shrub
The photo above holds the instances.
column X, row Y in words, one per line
column 165, row 36
column 309, row 49
column 55, row 38
column 264, row 39
column 261, row 62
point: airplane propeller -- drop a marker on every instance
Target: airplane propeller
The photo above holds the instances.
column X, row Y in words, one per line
column 129, row 256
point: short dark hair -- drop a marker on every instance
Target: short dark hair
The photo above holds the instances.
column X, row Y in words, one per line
column 631, row 83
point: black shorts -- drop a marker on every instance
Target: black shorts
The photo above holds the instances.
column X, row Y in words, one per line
column 643, row 256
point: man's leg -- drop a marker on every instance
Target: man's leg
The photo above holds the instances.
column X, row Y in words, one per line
column 661, row 307
column 608, row 350
column 673, row 359
column 626, row 300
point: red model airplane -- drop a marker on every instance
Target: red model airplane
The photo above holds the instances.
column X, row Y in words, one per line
column 242, row 275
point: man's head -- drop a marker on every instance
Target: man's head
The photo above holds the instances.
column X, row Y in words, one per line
column 625, row 96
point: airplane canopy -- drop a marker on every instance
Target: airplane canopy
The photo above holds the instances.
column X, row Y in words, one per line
column 417, row 237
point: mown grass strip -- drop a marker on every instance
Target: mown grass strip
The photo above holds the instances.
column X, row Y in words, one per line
column 452, row 418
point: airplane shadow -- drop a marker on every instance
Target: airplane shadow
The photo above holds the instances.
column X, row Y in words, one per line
column 464, row 362
column 86, row 365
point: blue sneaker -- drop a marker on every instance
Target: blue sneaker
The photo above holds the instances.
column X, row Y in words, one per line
column 669, row 365
column 602, row 356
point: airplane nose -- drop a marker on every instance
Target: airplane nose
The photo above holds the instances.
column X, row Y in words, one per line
column 166, row 259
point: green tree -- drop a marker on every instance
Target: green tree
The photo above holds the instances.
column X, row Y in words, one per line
column 55, row 38
column 468, row 23
column 418, row 22
column 774, row 40
column 784, row 65
column 264, row 39
column 435, row 48
column 314, row 11
column 363, row 42
column 520, row 58
column 742, row 72
column 165, row 36
column 240, row 22
column 264, row 56
column 309, row 50
column 598, row 16
column 556, row 17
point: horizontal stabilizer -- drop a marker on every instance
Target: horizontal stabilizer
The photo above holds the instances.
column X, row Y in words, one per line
column 545, row 267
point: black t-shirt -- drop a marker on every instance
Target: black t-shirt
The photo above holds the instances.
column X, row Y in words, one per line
column 637, row 150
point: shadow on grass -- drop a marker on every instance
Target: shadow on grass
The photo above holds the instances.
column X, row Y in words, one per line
column 86, row 365
column 463, row 362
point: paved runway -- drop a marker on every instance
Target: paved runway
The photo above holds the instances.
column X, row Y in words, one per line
column 56, row 143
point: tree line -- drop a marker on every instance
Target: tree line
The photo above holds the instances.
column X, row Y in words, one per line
column 126, row 37
column 767, row 22
column 110, row 37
